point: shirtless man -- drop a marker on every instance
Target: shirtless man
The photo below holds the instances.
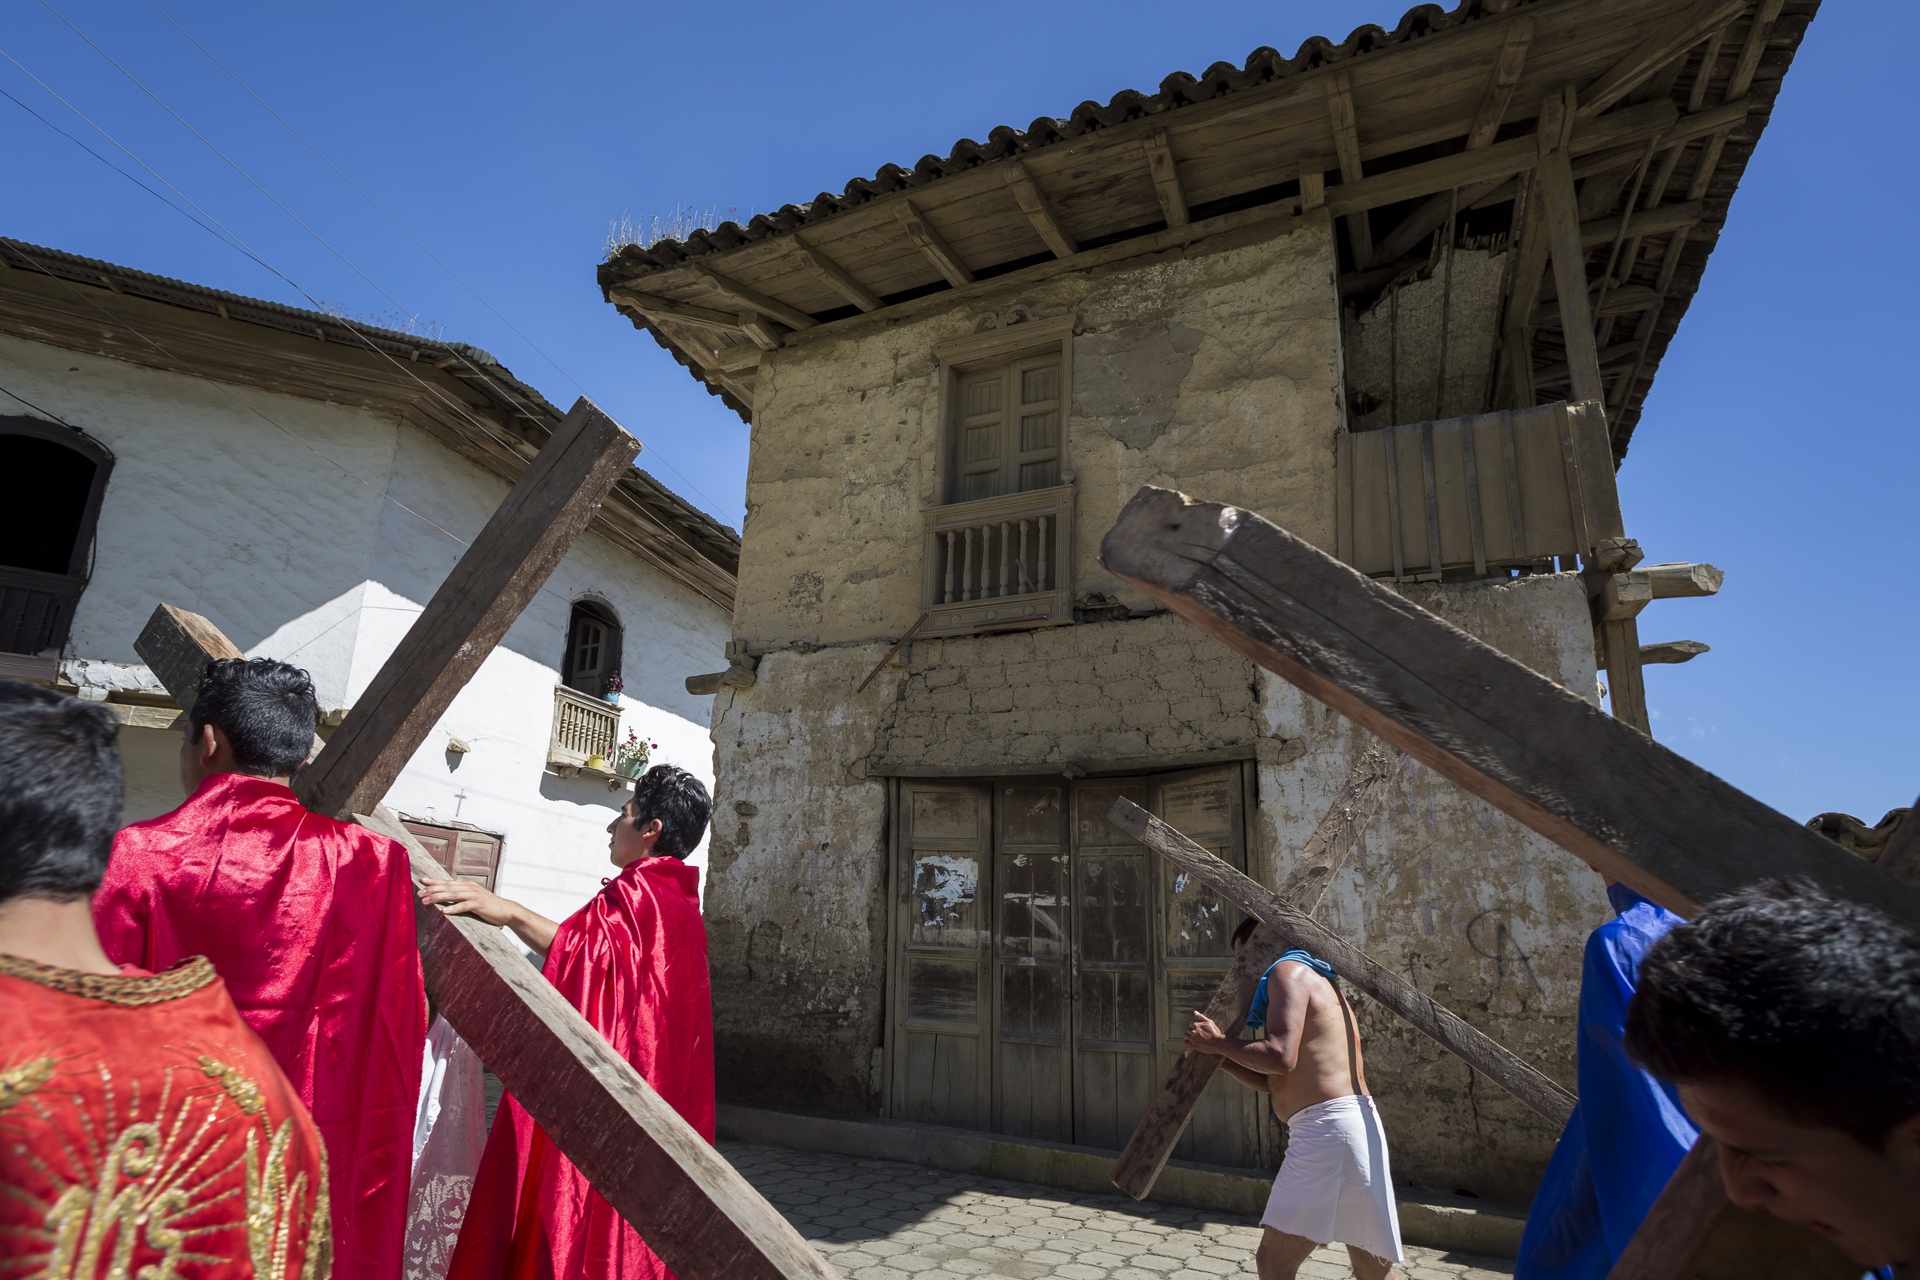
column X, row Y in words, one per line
column 1334, row 1184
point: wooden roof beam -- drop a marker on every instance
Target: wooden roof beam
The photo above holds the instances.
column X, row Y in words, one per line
column 1166, row 179
column 648, row 304
column 1040, row 211
column 1346, row 145
column 938, row 251
column 1500, row 85
column 764, row 335
column 771, row 307
column 837, row 276
column 1560, row 223
column 1666, row 42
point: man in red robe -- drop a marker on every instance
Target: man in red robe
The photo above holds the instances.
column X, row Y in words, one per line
column 144, row 1129
column 310, row 924
column 634, row 962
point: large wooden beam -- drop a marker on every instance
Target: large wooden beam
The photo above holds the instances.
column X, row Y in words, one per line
column 1644, row 815
column 498, row 575
column 1166, row 179
column 1560, row 219
column 703, row 1219
column 1040, row 211
column 773, row 308
column 1346, row 144
column 1159, row 1130
column 1421, row 1011
column 837, row 276
column 1500, row 84
column 1663, row 44
column 933, row 244
column 649, row 305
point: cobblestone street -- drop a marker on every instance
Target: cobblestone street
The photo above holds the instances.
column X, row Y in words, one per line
column 877, row 1220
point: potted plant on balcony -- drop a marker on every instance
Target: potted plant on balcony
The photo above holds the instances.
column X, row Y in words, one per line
column 630, row 760
column 614, row 686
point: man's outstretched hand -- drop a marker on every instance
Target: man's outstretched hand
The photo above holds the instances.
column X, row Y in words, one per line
column 465, row 898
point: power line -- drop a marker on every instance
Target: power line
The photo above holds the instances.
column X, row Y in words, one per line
column 535, row 347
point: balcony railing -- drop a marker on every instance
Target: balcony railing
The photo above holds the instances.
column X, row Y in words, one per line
column 583, row 726
column 999, row 563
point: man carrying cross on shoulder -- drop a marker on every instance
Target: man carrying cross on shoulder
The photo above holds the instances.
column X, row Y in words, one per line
column 1335, row 1184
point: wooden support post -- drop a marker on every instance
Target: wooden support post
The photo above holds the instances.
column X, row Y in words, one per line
column 1560, row 221
column 1544, row 755
column 1346, row 145
column 1626, row 685
column 1313, row 185
column 837, row 276
column 1396, row 993
column 1325, row 853
column 931, row 243
column 1166, row 179
column 500, row 572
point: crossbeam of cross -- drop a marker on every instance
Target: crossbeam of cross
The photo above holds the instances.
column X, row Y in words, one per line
column 1594, row 786
column 701, row 1217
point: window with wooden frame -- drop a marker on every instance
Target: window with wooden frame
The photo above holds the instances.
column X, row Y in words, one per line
column 52, row 482
column 1007, row 390
column 593, row 648
column 1007, row 429
column 462, row 852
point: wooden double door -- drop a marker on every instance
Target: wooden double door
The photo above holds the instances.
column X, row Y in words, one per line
column 1045, row 965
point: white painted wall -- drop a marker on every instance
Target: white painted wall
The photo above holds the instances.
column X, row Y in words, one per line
column 266, row 513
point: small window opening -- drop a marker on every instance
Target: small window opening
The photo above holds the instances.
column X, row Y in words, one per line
column 45, row 489
column 593, row 649
column 1007, row 429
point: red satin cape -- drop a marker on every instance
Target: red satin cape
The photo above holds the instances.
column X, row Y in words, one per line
column 310, row 924
column 634, row 961
column 145, row 1130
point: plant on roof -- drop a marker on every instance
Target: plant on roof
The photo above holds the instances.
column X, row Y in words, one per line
column 651, row 230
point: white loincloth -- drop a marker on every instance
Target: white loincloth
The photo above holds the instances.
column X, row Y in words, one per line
column 1334, row 1185
column 450, row 1132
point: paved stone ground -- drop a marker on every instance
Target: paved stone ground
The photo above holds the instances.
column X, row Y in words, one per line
column 877, row 1220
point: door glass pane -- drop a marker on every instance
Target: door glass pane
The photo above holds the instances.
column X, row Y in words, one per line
column 943, row 991
column 1113, row 908
column 945, row 908
column 1031, row 999
column 1032, row 907
column 1114, row 1004
column 1201, row 808
column 1200, row 923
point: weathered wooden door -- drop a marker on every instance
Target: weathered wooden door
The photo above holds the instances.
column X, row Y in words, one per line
column 942, row 1067
column 1047, row 965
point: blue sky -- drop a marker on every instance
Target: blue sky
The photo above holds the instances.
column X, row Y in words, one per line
column 507, row 137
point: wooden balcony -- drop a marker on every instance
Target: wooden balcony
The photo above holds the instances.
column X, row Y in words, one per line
column 583, row 727
column 999, row 563
column 36, row 612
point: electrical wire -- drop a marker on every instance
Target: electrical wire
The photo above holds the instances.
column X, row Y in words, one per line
column 535, row 347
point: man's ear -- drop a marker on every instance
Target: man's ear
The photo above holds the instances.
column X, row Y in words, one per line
column 207, row 744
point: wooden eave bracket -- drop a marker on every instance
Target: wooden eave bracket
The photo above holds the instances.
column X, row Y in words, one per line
column 937, row 250
column 1040, row 211
column 771, row 307
column 836, row 276
column 1166, row 178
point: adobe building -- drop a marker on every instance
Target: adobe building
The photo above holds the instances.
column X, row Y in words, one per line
column 1404, row 295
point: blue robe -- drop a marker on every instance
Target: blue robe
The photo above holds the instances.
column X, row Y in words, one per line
column 1628, row 1133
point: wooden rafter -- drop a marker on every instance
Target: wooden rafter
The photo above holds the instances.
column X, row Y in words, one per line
column 1500, row 84
column 1166, row 178
column 687, row 312
column 938, row 251
column 1560, row 223
column 1346, row 145
column 771, row 307
column 1666, row 42
column 764, row 335
column 837, row 276
column 1040, row 211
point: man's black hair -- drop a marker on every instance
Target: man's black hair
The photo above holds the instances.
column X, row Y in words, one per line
column 681, row 803
column 1244, row 932
column 1812, row 1002
column 59, row 793
column 267, row 709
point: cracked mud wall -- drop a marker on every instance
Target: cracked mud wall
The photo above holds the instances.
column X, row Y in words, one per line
column 1475, row 910
column 1214, row 369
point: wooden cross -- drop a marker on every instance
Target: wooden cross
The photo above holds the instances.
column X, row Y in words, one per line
column 1607, row 794
column 701, row 1217
column 1326, row 852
